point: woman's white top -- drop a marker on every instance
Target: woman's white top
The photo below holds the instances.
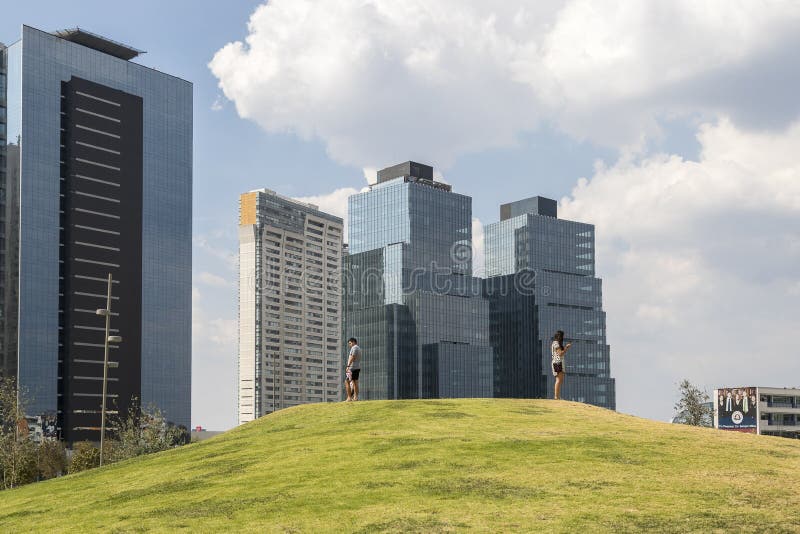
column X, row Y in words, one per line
column 555, row 349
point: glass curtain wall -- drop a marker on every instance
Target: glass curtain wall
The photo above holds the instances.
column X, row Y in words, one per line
column 410, row 300
column 558, row 256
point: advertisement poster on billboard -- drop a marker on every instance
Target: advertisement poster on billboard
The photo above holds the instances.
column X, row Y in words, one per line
column 736, row 409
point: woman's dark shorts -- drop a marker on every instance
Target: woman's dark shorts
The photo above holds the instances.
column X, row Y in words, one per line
column 558, row 367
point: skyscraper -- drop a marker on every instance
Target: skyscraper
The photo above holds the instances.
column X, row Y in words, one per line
column 6, row 367
column 559, row 256
column 409, row 295
column 514, row 336
column 290, row 257
column 98, row 180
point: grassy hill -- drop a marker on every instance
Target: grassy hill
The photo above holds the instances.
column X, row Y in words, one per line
column 449, row 465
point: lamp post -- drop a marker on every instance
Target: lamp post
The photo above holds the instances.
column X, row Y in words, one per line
column 108, row 339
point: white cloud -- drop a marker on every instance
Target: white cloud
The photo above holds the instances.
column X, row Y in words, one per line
column 381, row 81
column 371, row 175
column 698, row 261
column 210, row 247
column 214, row 280
column 207, row 326
column 334, row 203
column 794, row 289
column 218, row 104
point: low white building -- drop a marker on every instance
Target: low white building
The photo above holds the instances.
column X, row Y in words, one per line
column 758, row 410
column 779, row 410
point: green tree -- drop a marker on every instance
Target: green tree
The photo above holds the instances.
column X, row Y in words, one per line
column 17, row 450
column 51, row 459
column 84, row 456
column 693, row 405
column 142, row 431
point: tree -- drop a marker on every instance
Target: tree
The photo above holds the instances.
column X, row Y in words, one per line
column 51, row 459
column 17, row 450
column 84, row 456
column 693, row 406
column 142, row 431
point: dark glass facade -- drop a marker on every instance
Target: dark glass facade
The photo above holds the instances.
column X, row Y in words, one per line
column 409, row 297
column 98, row 179
column 514, row 335
column 101, row 234
column 434, row 223
column 7, row 366
column 555, row 258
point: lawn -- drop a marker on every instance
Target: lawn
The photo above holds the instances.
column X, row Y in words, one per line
column 440, row 465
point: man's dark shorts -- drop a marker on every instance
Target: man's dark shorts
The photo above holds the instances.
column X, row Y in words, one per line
column 355, row 373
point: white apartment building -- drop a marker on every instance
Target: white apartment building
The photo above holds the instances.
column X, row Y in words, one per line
column 779, row 412
column 290, row 347
column 758, row 410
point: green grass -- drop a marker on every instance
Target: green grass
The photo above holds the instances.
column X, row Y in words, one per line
column 435, row 466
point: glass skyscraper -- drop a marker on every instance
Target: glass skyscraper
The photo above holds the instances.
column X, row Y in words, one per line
column 514, row 336
column 409, row 295
column 550, row 262
column 97, row 179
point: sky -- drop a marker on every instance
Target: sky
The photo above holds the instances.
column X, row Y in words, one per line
column 674, row 127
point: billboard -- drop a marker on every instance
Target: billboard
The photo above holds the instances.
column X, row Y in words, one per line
column 736, row 409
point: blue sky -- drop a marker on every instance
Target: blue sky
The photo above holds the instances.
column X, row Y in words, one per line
column 672, row 130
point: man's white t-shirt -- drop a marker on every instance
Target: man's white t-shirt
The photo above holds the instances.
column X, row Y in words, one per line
column 355, row 353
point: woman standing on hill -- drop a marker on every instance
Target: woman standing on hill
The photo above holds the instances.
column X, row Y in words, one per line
column 558, row 351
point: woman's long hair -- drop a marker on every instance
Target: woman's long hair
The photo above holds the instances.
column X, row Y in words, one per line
column 559, row 336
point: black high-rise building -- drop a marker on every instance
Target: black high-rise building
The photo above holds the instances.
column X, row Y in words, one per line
column 97, row 180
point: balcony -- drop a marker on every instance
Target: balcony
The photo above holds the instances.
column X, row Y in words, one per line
column 765, row 407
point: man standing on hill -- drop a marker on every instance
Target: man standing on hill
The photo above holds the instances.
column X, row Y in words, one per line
column 352, row 370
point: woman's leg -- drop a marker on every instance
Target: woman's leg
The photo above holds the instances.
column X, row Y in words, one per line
column 559, row 381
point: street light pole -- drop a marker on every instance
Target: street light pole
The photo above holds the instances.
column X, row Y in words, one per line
column 107, row 339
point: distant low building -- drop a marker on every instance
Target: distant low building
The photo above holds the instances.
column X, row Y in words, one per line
column 758, row 410
column 201, row 434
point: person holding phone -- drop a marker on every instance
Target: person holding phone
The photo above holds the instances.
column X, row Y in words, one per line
column 558, row 351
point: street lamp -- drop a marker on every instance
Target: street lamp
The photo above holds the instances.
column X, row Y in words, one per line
column 106, row 312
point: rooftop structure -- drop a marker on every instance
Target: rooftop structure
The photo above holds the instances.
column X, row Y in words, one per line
column 411, row 171
column 99, row 43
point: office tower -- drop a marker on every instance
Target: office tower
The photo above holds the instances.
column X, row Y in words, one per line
column 409, row 295
column 556, row 258
column 98, row 180
column 6, row 367
column 290, row 257
column 514, row 336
